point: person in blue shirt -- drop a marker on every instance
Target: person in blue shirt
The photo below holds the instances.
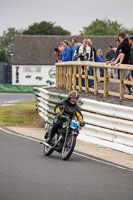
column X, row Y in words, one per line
column 99, row 59
column 75, row 45
column 66, row 54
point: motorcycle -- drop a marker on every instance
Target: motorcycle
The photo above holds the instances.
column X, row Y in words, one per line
column 64, row 140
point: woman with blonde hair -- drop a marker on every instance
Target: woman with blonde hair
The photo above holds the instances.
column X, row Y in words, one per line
column 100, row 53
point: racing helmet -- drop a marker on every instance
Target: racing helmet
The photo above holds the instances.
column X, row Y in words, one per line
column 73, row 94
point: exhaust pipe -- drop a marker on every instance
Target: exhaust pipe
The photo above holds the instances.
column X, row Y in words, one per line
column 46, row 144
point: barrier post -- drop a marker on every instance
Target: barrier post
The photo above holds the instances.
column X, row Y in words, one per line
column 70, row 78
column 57, row 76
column 86, row 79
column 80, row 78
column 121, row 85
column 74, row 77
column 95, row 80
column 105, row 82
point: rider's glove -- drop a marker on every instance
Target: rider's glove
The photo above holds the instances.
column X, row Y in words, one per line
column 59, row 115
column 82, row 124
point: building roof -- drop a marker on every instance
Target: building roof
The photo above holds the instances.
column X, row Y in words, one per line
column 38, row 50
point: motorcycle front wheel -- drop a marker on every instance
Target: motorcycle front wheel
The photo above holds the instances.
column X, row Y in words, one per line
column 68, row 149
column 47, row 150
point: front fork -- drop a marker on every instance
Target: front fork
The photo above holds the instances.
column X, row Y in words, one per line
column 67, row 131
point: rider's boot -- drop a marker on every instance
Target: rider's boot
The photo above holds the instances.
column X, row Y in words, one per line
column 50, row 136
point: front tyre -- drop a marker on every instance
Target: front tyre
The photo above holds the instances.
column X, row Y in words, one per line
column 68, row 149
column 47, row 150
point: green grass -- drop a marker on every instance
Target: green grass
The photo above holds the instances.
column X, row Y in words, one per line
column 20, row 113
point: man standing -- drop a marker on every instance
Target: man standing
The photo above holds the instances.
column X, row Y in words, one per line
column 131, row 53
column 111, row 53
column 75, row 46
column 123, row 57
column 124, row 51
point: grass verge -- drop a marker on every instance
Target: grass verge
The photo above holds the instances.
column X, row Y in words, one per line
column 20, row 113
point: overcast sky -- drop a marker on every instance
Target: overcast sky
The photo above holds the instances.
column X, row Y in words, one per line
column 71, row 15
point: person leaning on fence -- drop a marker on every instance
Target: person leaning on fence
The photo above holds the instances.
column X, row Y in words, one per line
column 58, row 54
column 83, row 53
column 111, row 54
column 131, row 52
column 123, row 58
column 93, row 57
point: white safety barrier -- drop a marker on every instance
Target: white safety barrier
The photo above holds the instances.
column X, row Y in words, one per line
column 107, row 124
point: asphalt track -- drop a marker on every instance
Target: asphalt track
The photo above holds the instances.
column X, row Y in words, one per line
column 9, row 97
column 25, row 174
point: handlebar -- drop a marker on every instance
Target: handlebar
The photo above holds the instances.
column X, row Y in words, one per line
column 65, row 117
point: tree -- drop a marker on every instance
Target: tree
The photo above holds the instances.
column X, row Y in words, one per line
column 45, row 28
column 104, row 27
column 6, row 43
column 4, row 57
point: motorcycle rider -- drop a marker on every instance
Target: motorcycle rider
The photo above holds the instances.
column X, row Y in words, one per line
column 68, row 107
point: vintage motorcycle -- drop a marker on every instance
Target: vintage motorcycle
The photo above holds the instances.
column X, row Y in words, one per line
column 64, row 140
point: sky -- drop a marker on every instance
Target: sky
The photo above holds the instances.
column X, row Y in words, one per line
column 71, row 15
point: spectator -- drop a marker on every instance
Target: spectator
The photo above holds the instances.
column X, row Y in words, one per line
column 131, row 59
column 83, row 53
column 94, row 54
column 93, row 57
column 131, row 53
column 111, row 53
column 75, row 46
column 109, row 56
column 61, row 47
column 123, row 58
column 100, row 53
column 66, row 54
column 58, row 54
column 100, row 71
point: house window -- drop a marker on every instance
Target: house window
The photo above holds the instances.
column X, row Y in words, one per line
column 32, row 69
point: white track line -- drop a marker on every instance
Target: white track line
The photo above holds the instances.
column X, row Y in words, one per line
column 79, row 154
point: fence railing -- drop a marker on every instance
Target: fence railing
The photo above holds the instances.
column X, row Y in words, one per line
column 67, row 74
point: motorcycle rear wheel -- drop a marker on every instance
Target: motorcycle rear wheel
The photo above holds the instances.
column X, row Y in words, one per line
column 68, row 150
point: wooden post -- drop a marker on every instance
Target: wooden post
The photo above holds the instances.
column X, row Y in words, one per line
column 121, row 84
column 80, row 78
column 61, row 76
column 95, row 80
column 67, row 78
column 105, row 83
column 86, row 79
column 70, row 78
column 74, row 77
column 57, row 76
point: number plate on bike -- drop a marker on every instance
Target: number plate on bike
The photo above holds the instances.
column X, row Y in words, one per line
column 74, row 124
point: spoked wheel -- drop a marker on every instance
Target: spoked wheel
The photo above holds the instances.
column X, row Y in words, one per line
column 68, row 150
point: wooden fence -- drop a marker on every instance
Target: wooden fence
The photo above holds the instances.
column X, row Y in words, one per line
column 66, row 76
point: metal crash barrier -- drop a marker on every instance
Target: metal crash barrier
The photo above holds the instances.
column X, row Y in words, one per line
column 107, row 124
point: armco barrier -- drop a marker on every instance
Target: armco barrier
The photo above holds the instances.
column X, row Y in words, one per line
column 107, row 124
